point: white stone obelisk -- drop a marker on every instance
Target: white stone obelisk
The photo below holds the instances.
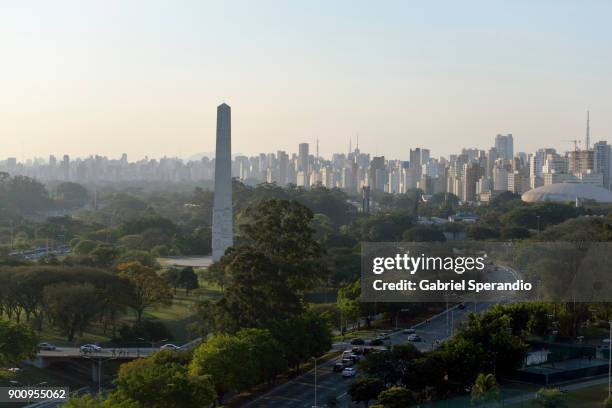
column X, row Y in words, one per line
column 222, row 230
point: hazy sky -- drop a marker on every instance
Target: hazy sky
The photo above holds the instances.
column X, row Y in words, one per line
column 145, row 77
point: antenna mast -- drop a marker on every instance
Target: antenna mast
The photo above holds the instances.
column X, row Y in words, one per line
column 588, row 131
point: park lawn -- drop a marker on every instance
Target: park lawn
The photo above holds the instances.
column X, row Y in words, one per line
column 589, row 397
column 177, row 316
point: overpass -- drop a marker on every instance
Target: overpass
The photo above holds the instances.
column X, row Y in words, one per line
column 74, row 355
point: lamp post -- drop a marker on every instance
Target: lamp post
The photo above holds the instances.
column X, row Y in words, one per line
column 610, row 362
column 315, row 405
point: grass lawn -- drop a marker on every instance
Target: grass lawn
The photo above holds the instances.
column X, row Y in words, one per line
column 589, row 397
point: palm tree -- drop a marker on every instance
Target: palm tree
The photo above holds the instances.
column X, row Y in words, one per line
column 485, row 389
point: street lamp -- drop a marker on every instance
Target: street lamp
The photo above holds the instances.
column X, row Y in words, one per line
column 610, row 362
column 315, row 383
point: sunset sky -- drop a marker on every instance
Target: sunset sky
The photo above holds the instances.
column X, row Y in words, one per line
column 145, row 77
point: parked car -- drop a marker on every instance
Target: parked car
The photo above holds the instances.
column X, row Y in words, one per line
column 338, row 367
column 409, row 331
column 414, row 337
column 358, row 342
column 376, row 342
column 46, row 346
column 349, row 372
column 90, row 348
column 170, row 347
column 384, row 336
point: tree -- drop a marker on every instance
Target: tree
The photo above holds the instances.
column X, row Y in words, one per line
column 72, row 307
column 348, row 303
column 17, row 343
column 481, row 232
column 364, row 389
column 171, row 277
column 158, row 383
column 302, row 337
column 263, row 349
column 85, row 401
column 188, row 279
column 515, row 233
column 607, row 403
column 424, row 234
column 147, row 288
column 282, row 231
column 71, row 195
column 550, row 398
column 84, row 247
column 485, row 389
column 228, row 361
column 255, row 294
column 397, row 397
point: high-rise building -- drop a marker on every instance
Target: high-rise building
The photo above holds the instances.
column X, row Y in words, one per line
column 222, row 229
column 283, row 167
column 581, row 161
column 504, row 144
column 603, row 161
column 303, row 158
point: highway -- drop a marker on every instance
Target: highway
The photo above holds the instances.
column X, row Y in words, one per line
column 299, row 392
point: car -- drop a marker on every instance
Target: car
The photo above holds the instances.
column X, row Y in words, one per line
column 376, row 342
column 349, row 372
column 358, row 342
column 338, row 367
column 46, row 346
column 347, row 362
column 357, row 350
column 354, row 357
column 414, row 337
column 384, row 336
column 409, row 331
column 90, row 348
column 172, row 347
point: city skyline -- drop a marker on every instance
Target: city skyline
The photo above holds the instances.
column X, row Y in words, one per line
column 140, row 77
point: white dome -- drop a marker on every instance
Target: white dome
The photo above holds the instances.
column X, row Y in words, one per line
column 564, row 192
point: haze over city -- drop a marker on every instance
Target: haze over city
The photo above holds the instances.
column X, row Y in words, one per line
column 143, row 78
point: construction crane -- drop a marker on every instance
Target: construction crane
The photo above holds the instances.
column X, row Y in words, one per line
column 575, row 142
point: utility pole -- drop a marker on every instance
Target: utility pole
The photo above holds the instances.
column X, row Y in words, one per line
column 610, row 362
column 315, row 384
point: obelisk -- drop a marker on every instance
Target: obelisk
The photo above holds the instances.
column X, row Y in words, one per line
column 222, row 230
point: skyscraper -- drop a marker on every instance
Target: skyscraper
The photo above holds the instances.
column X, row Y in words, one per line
column 603, row 161
column 222, row 231
column 303, row 158
column 504, row 144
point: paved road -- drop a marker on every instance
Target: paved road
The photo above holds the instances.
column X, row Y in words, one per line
column 300, row 391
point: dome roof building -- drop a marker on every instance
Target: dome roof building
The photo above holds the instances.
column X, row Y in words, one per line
column 564, row 192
